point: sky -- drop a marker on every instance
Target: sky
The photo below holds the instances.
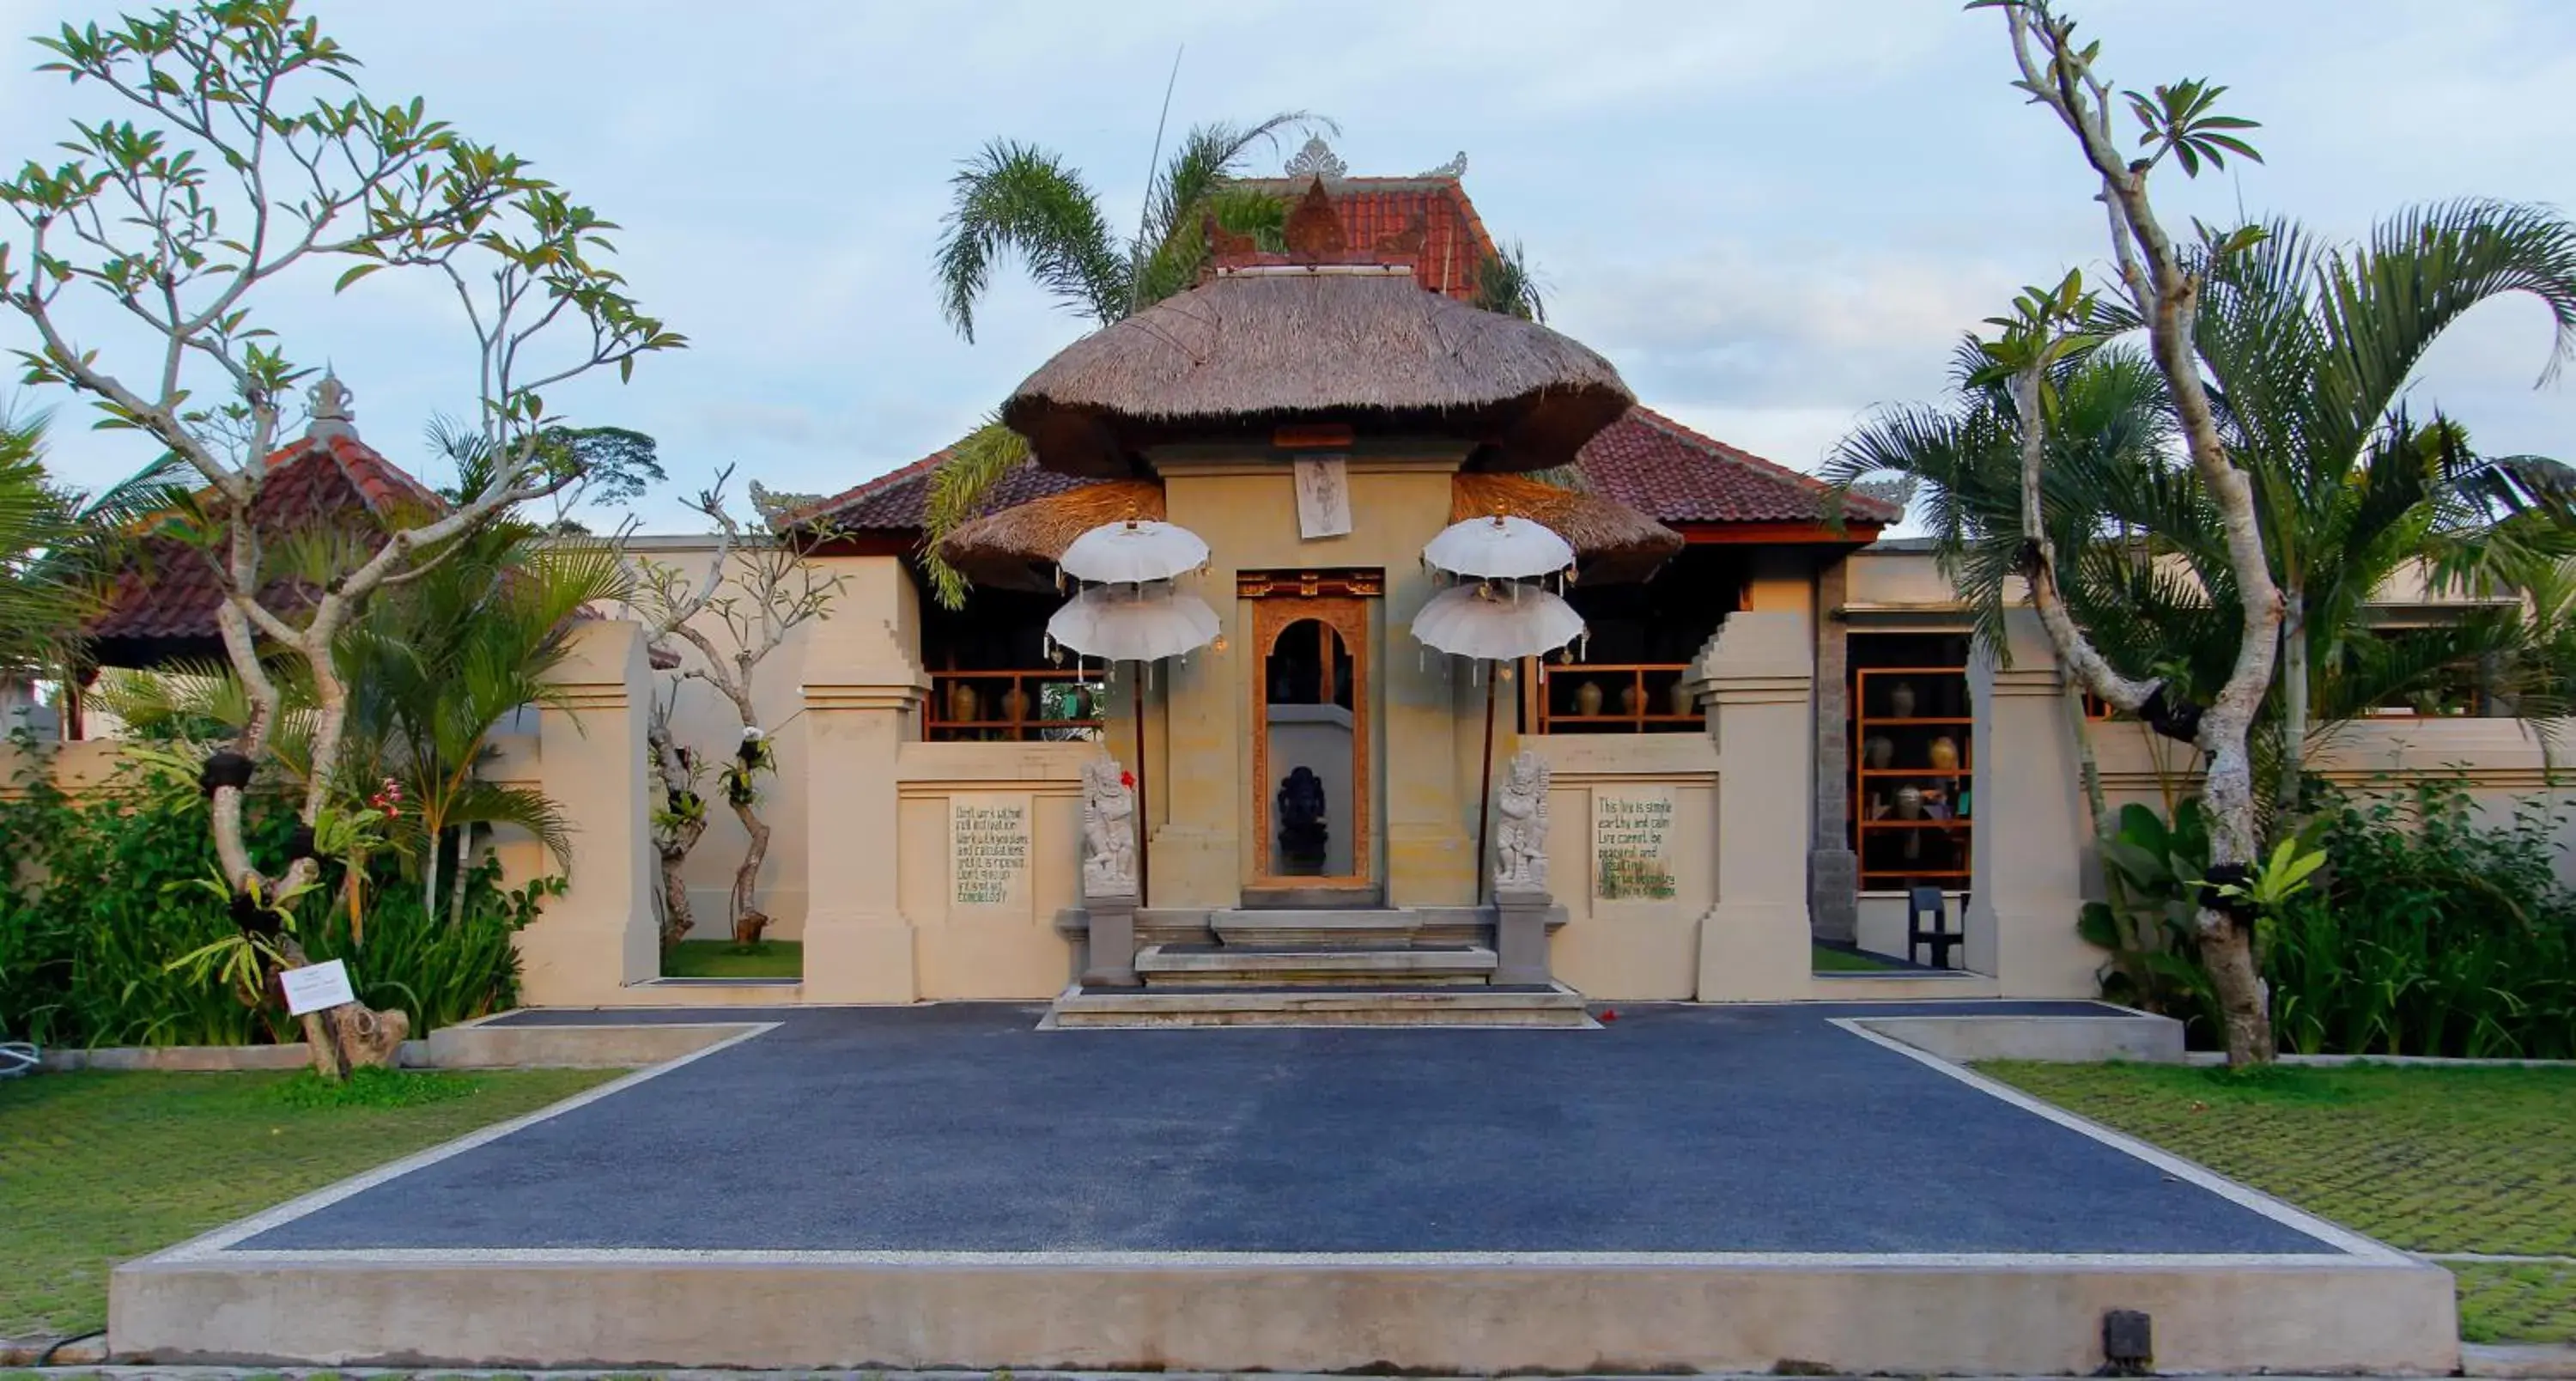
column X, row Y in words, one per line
column 1772, row 218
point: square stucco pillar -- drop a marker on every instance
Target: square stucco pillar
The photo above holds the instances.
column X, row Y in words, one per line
column 863, row 692
column 1757, row 680
column 599, row 935
column 1833, row 869
column 2026, row 854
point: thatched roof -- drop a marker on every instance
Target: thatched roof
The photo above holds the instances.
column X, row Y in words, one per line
column 1015, row 548
column 1612, row 542
column 1352, row 343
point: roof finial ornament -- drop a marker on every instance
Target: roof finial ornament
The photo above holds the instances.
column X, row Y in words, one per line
column 1453, row 170
column 329, row 406
column 1317, row 159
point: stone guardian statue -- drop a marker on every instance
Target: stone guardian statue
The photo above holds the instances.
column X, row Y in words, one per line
column 1108, row 830
column 1520, row 830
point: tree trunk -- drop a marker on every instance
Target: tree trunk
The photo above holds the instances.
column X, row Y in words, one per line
column 2294, row 701
column 748, row 923
column 351, row 1036
column 677, row 917
column 2088, row 766
column 673, row 842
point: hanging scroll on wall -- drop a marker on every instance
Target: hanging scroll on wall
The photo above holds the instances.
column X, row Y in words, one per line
column 1323, row 497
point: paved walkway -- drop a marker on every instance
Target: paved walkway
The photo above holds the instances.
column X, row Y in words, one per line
column 958, row 1128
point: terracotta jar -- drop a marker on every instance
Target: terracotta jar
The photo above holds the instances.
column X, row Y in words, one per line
column 963, row 703
column 1685, row 702
column 1878, row 751
column 1900, row 700
column 1909, row 802
column 1015, row 703
column 1587, row 699
column 1945, row 752
column 1632, row 700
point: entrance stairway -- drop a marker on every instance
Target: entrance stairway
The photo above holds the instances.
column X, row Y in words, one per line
column 1318, row 968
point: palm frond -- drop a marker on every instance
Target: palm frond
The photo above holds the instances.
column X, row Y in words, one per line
column 515, row 807
column 1014, row 198
column 958, row 490
column 1506, row 283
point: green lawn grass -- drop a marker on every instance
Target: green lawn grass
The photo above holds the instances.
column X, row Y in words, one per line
column 2427, row 1159
column 98, row 1168
column 1828, row 960
column 725, row 959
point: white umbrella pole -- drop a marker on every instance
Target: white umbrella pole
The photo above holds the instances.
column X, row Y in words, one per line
column 1485, row 787
column 1144, row 825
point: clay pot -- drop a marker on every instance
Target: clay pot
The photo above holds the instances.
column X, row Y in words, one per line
column 1685, row 702
column 1878, row 751
column 1587, row 698
column 1945, row 752
column 1632, row 700
column 1015, row 703
column 1900, row 700
column 963, row 703
column 1909, row 802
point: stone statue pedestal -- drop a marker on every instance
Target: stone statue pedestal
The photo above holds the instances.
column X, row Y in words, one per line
column 1110, row 957
column 1520, row 937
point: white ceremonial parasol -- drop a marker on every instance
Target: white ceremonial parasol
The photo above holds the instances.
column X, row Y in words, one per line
column 1126, row 623
column 1132, row 552
column 1497, row 622
column 1501, row 547
column 1135, row 623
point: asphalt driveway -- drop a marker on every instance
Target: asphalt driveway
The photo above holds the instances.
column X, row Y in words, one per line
column 958, row 1128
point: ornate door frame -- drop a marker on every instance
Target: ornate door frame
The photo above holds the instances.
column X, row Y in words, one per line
column 1339, row 600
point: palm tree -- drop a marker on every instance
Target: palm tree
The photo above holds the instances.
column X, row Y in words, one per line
column 437, row 665
column 2111, row 428
column 39, row 604
column 1018, row 199
column 2309, row 350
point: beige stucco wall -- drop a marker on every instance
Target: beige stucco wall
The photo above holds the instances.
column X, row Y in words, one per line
column 1630, row 949
column 1010, row 951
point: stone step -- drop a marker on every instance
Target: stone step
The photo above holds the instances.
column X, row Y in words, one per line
column 1553, row 1006
column 1327, row 929
column 1273, row 966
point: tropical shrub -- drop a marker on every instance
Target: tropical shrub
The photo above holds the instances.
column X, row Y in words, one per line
column 2429, row 930
column 99, row 897
column 2435, row 933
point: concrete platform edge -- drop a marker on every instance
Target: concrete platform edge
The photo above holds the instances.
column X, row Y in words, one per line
column 2040, row 1315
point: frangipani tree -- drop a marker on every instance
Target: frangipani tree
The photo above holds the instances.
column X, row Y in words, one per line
column 758, row 590
column 2160, row 283
column 237, row 154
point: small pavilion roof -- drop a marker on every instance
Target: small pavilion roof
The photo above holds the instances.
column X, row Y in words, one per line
column 161, row 606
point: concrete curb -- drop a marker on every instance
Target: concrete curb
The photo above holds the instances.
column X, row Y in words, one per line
column 85, row 1352
column 2521, row 1363
column 475, row 1044
column 1968, row 1038
column 2215, row 1057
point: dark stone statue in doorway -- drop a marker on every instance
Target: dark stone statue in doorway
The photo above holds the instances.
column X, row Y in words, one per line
column 1302, row 829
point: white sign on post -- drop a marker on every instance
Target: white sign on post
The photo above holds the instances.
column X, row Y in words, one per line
column 316, row 986
column 1323, row 498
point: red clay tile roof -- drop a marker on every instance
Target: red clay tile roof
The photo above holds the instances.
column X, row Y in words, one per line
column 1645, row 460
column 162, row 605
column 1380, row 213
column 1661, row 468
